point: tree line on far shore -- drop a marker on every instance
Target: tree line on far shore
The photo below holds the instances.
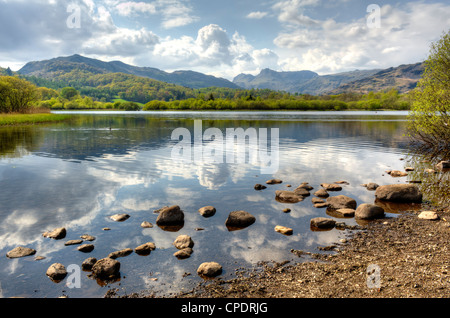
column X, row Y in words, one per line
column 18, row 95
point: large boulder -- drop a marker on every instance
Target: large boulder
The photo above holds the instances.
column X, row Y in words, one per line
column 170, row 216
column 341, row 202
column 368, row 211
column 405, row 193
column 239, row 220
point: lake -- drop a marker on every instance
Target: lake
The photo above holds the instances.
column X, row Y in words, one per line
column 77, row 174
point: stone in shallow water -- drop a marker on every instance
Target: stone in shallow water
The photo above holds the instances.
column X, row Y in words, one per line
column 404, row 193
column 56, row 272
column 283, row 230
column 239, row 220
column 367, row 211
column 57, row 234
column 323, row 223
column 209, row 269
column 20, row 251
column 119, row 217
column 207, row 211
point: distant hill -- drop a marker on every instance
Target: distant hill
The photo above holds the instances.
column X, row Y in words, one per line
column 403, row 78
column 54, row 68
column 279, row 81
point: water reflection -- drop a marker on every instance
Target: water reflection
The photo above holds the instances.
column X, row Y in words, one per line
column 78, row 174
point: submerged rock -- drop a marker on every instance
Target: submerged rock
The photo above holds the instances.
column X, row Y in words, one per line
column 405, row 193
column 20, row 251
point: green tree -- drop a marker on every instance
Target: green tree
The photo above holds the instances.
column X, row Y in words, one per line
column 429, row 121
column 17, row 95
column 69, row 93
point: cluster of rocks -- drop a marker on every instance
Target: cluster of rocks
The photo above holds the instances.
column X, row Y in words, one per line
column 343, row 206
column 108, row 268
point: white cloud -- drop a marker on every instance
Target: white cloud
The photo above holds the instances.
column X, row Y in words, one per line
column 329, row 46
column 292, row 11
column 256, row 15
column 133, row 8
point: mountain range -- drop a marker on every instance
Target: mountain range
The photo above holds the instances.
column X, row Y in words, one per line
column 403, row 78
column 50, row 69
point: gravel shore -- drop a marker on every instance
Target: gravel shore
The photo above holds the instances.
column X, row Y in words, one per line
column 398, row 257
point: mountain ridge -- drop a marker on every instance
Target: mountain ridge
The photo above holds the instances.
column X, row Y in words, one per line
column 49, row 68
column 403, row 77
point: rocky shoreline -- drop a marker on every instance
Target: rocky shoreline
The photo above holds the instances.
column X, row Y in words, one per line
column 411, row 254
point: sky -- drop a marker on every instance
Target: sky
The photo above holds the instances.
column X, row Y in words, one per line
column 224, row 38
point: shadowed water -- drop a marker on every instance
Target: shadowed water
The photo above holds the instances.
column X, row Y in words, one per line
column 77, row 174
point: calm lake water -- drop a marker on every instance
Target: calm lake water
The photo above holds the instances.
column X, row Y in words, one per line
column 77, row 174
